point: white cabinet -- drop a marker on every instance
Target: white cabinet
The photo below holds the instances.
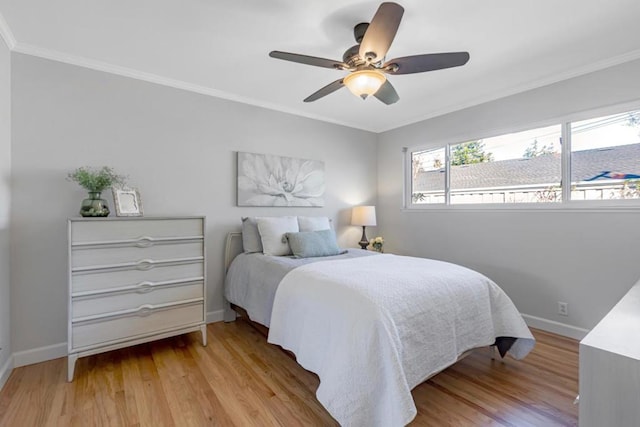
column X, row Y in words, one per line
column 610, row 367
column 133, row 280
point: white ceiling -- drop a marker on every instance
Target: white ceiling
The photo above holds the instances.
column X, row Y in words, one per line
column 221, row 47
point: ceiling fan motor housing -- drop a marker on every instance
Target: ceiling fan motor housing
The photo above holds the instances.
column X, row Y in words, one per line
column 352, row 58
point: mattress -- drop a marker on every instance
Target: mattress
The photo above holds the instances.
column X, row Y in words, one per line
column 373, row 326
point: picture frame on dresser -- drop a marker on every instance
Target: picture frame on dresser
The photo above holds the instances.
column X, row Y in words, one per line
column 133, row 280
column 127, row 201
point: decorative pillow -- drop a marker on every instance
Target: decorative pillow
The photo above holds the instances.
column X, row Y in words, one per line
column 313, row 223
column 272, row 233
column 250, row 236
column 307, row 244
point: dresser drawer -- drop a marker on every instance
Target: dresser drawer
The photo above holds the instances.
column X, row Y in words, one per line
column 145, row 293
column 95, row 280
column 145, row 321
column 107, row 255
column 91, row 231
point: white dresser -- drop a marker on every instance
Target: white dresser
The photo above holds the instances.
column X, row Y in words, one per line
column 133, row 280
column 610, row 367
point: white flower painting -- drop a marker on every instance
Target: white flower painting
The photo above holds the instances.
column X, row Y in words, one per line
column 268, row 180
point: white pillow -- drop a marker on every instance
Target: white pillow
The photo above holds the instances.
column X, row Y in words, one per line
column 272, row 233
column 313, row 223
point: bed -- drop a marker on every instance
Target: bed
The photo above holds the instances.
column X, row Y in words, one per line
column 373, row 326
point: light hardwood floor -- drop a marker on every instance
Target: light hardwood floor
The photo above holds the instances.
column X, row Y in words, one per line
column 239, row 379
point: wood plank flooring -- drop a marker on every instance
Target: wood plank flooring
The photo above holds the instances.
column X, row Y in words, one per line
column 240, row 380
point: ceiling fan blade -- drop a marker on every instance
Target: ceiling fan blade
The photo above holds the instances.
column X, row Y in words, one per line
column 427, row 62
column 387, row 93
column 309, row 60
column 330, row 88
column 381, row 31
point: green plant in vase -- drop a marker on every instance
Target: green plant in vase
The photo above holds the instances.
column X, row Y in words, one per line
column 95, row 181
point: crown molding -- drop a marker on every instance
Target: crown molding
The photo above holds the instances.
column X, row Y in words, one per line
column 514, row 90
column 92, row 64
column 6, row 34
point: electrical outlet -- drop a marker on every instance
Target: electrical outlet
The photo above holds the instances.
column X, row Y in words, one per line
column 563, row 308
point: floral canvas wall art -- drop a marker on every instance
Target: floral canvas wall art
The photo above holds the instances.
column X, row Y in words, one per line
column 269, row 180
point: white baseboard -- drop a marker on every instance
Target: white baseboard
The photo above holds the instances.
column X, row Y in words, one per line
column 555, row 327
column 215, row 316
column 40, row 354
column 5, row 371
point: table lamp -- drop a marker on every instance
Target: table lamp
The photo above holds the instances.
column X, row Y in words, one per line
column 363, row 216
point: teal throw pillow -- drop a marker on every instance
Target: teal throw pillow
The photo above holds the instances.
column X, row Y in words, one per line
column 307, row 244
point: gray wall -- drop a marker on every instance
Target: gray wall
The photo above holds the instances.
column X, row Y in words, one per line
column 177, row 147
column 588, row 258
column 5, row 201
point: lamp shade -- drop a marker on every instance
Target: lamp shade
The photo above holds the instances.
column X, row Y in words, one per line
column 364, row 82
column 363, row 215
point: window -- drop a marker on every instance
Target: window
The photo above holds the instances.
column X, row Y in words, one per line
column 603, row 163
column 605, row 158
column 522, row 167
column 428, row 176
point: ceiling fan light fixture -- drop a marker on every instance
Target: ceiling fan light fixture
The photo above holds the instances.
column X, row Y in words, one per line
column 366, row 59
column 364, row 82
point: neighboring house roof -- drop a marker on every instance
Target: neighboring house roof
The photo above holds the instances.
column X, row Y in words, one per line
column 543, row 169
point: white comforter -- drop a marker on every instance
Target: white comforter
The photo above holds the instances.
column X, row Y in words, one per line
column 373, row 328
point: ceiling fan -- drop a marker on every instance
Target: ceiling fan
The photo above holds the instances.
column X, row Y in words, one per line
column 366, row 60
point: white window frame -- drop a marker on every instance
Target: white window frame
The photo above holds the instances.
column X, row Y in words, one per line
column 565, row 205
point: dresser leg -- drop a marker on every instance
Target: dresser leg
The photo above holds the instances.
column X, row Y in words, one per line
column 71, row 366
column 203, row 331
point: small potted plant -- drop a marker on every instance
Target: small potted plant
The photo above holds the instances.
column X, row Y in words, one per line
column 95, row 181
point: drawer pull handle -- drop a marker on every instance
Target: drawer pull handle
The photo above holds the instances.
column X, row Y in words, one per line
column 144, row 287
column 145, row 264
column 144, row 242
column 145, row 310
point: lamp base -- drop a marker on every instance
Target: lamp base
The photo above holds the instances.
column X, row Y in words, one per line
column 364, row 242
